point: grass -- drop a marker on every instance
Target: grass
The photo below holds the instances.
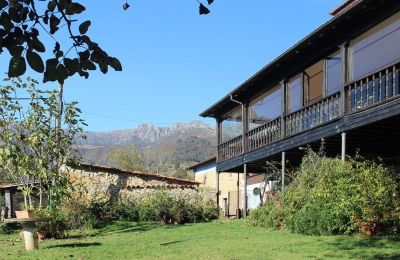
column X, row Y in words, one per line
column 215, row 240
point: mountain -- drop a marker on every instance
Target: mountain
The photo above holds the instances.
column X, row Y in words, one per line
column 180, row 144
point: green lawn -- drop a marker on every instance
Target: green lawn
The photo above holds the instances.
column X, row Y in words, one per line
column 216, row 240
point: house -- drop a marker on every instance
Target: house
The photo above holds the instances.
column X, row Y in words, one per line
column 229, row 196
column 339, row 86
column 101, row 183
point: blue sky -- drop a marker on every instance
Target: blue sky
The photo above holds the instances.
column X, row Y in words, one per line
column 177, row 63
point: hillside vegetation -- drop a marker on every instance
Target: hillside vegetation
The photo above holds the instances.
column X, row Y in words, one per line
column 164, row 150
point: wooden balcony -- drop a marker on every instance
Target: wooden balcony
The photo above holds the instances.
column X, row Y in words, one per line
column 370, row 92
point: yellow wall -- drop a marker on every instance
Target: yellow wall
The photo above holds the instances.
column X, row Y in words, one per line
column 227, row 183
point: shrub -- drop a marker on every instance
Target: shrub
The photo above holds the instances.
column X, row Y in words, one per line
column 55, row 227
column 329, row 196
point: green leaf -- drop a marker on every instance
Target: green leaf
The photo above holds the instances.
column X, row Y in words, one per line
column 62, row 73
column 72, row 66
column 37, row 45
column 83, row 28
column 75, row 8
column 103, row 67
column 115, row 64
column 35, row 61
column 51, row 5
column 51, row 70
column 17, row 67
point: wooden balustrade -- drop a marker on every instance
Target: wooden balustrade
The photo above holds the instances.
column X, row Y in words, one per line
column 230, row 148
column 264, row 134
column 374, row 89
column 313, row 115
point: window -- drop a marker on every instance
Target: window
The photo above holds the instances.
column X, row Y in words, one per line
column 376, row 49
column 334, row 73
column 294, row 94
column 232, row 125
column 314, row 81
column 265, row 107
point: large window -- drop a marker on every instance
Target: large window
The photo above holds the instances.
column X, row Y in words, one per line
column 232, row 125
column 265, row 108
column 376, row 48
column 294, row 94
column 334, row 73
column 314, row 81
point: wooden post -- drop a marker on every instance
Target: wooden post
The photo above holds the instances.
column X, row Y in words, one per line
column 244, row 191
column 283, row 170
column 343, row 146
column 345, row 78
column 283, row 109
column 219, row 137
column 217, row 187
column 8, row 203
column 245, row 128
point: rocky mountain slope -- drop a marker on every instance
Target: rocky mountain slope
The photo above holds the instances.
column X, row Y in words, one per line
column 183, row 142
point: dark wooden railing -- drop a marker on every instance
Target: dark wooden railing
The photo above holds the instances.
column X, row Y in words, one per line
column 313, row 115
column 374, row 89
column 264, row 134
column 230, row 148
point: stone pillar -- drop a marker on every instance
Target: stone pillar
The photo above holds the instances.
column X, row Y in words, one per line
column 244, row 190
column 343, row 155
column 217, row 188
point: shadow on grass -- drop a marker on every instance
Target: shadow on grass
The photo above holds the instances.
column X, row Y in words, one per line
column 75, row 245
column 368, row 247
column 123, row 227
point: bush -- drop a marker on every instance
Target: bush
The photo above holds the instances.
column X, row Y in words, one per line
column 169, row 206
column 55, row 227
column 329, row 196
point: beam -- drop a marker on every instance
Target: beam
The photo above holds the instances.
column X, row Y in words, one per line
column 283, row 170
column 343, row 146
column 244, row 191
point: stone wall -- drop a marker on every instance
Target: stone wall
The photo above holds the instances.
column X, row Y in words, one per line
column 101, row 184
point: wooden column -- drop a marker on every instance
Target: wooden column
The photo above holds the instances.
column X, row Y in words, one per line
column 283, row 170
column 245, row 129
column 343, row 154
column 283, row 109
column 217, row 187
column 219, row 136
column 244, row 191
column 8, row 203
column 345, row 78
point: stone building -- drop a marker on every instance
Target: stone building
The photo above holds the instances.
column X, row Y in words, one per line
column 96, row 182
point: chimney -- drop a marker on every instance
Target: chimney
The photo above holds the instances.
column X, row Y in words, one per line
column 346, row 5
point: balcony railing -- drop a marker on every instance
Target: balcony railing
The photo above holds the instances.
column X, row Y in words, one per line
column 264, row 134
column 313, row 115
column 374, row 89
column 370, row 91
column 230, row 148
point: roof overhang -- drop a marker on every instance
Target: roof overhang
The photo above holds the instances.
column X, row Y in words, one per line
column 344, row 26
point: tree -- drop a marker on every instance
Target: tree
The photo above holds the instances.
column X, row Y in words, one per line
column 22, row 23
column 126, row 157
column 32, row 149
